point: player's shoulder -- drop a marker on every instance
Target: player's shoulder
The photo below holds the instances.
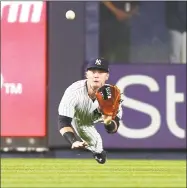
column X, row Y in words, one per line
column 77, row 86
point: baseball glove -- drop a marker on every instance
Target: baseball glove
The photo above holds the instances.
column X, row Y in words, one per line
column 109, row 98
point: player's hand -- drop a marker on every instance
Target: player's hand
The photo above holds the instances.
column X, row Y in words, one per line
column 107, row 119
column 79, row 144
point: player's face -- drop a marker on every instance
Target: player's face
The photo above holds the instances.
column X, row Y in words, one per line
column 96, row 78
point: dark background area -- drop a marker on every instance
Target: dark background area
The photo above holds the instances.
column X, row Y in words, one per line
column 66, row 56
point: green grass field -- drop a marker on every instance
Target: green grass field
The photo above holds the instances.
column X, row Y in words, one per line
column 88, row 173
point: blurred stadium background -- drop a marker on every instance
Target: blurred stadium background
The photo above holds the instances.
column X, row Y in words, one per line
column 43, row 52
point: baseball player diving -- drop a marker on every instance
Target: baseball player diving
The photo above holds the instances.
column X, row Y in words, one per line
column 87, row 102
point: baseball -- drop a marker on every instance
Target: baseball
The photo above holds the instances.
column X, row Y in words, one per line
column 70, row 15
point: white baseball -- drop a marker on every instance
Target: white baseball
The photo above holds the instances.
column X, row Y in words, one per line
column 70, row 15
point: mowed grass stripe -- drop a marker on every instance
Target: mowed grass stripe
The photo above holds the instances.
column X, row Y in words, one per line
column 87, row 173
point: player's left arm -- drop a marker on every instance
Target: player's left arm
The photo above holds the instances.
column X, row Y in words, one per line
column 109, row 99
column 112, row 126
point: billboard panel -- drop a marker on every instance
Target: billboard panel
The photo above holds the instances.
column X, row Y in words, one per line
column 154, row 107
column 23, row 68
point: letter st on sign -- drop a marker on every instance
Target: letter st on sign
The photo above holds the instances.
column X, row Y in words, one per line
column 21, row 11
column 172, row 99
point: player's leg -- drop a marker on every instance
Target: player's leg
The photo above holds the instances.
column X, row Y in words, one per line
column 98, row 153
column 95, row 144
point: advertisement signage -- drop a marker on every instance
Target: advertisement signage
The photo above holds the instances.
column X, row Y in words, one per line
column 154, row 106
column 23, row 68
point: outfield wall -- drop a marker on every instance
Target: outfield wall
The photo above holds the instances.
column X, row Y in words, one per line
column 36, row 74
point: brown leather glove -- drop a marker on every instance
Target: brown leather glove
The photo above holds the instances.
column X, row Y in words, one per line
column 109, row 98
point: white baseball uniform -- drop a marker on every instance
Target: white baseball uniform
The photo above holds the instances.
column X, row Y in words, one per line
column 84, row 112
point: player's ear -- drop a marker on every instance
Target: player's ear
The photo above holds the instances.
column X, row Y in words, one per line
column 86, row 75
column 107, row 77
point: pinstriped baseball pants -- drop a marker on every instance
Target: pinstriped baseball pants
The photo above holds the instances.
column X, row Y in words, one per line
column 91, row 136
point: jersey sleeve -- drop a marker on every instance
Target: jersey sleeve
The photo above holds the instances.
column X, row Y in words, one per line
column 67, row 104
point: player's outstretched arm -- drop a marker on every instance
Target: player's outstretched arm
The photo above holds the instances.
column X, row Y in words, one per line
column 68, row 134
column 109, row 99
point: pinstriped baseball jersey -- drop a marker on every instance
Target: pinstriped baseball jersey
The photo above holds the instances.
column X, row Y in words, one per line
column 84, row 112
